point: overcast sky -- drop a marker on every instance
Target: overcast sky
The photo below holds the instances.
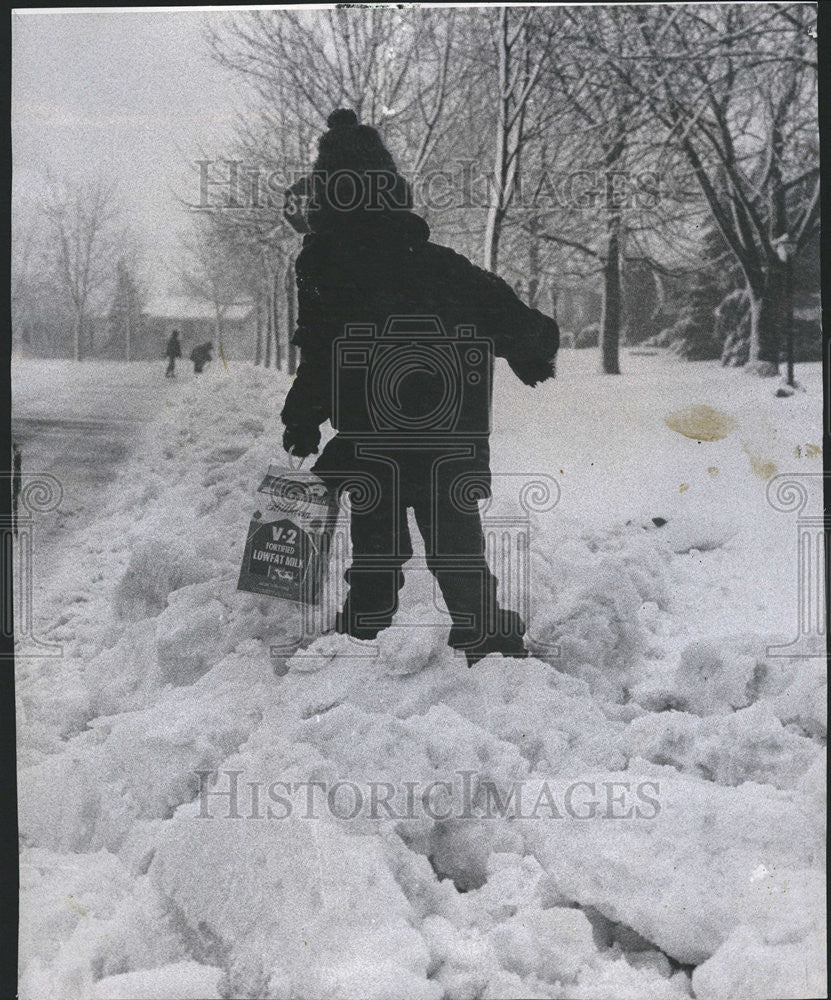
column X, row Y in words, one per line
column 129, row 95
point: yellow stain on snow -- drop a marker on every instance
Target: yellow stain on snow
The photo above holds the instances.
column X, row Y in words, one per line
column 713, row 470
column 684, row 487
column 764, row 468
column 701, row 423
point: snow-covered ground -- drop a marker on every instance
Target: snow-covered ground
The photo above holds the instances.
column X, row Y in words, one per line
column 665, row 834
column 78, row 423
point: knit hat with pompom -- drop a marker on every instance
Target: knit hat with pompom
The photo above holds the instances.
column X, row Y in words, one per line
column 342, row 118
column 352, row 165
column 350, row 146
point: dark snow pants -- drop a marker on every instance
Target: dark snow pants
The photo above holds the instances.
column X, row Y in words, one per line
column 454, row 546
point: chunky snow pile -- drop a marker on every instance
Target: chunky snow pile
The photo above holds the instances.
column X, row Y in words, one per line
column 636, row 811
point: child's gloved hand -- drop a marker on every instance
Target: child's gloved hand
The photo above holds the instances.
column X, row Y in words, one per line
column 533, row 372
column 301, row 440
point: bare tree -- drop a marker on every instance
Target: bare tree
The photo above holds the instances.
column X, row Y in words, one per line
column 722, row 97
column 522, row 40
column 211, row 273
column 82, row 217
column 593, row 184
column 33, row 289
column 735, row 88
column 392, row 67
column 605, row 120
column 27, row 251
column 256, row 242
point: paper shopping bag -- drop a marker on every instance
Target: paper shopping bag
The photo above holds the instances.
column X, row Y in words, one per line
column 287, row 547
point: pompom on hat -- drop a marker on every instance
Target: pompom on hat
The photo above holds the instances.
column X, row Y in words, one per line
column 342, row 118
column 348, row 145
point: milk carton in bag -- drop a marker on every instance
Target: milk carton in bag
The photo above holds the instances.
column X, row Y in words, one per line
column 287, row 547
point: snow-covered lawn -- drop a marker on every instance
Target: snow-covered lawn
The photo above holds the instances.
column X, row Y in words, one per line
column 665, row 835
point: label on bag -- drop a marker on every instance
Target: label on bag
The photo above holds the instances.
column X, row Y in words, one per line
column 287, row 546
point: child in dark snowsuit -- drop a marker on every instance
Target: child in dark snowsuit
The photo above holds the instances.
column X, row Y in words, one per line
column 172, row 351
column 397, row 337
column 200, row 356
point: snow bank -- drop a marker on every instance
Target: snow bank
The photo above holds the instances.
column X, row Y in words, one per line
column 183, row 981
column 648, row 685
column 746, row 968
column 298, row 908
column 684, row 878
column 590, row 590
column 85, row 918
column 749, row 745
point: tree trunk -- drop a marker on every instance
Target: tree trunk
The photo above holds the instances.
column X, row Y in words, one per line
column 77, row 332
column 269, row 323
column 496, row 212
column 611, row 307
column 258, row 313
column 767, row 308
column 493, row 229
column 533, row 263
column 291, row 316
column 610, row 313
column 275, row 310
column 219, row 331
column 787, row 321
column 771, row 307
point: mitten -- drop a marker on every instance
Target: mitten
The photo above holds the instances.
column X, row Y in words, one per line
column 301, row 440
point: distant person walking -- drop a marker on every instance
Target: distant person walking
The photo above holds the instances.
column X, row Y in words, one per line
column 200, row 356
column 172, row 351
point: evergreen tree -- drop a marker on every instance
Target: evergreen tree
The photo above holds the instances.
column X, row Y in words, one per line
column 699, row 332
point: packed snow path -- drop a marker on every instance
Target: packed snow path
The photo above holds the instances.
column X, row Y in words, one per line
column 136, row 882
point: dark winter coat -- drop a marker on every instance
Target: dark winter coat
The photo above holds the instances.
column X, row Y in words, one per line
column 173, row 348
column 200, row 355
column 376, row 265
